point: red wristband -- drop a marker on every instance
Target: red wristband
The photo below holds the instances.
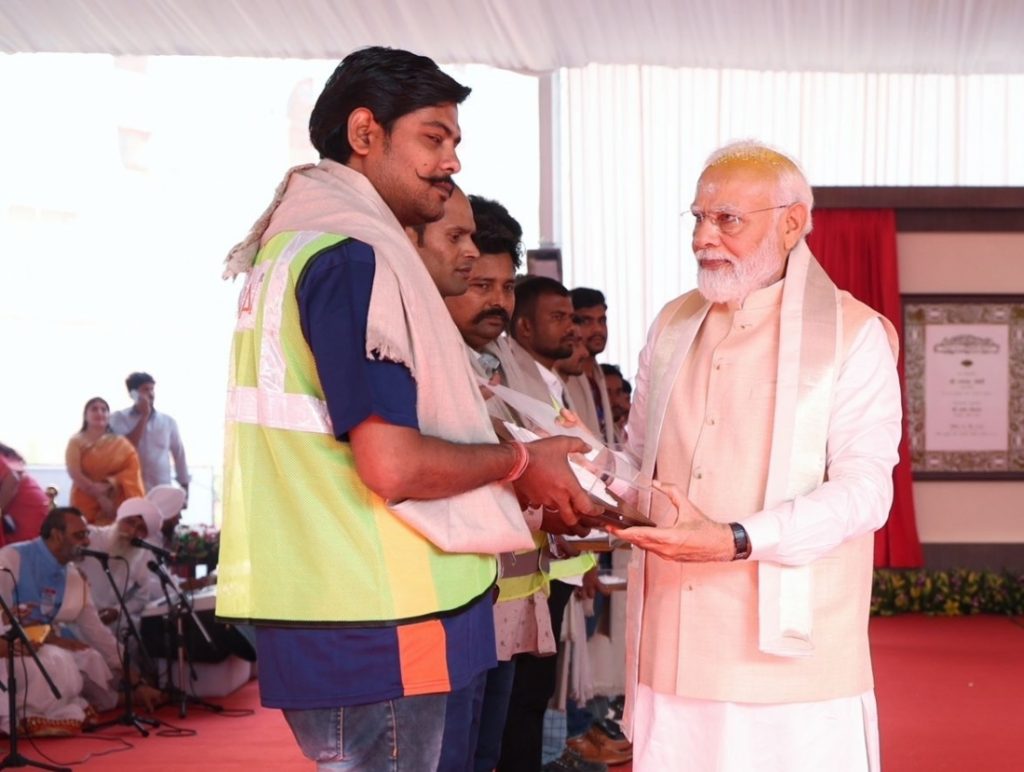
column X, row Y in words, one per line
column 522, row 461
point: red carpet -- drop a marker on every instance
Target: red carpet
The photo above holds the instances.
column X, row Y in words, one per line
column 950, row 695
column 258, row 740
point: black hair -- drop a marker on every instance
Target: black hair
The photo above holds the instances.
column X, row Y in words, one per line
column 584, row 297
column 528, row 290
column 497, row 232
column 85, row 423
column 56, row 520
column 135, row 380
column 389, row 82
column 608, row 369
column 8, row 452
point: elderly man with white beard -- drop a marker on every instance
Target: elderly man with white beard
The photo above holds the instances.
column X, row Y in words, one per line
column 768, row 411
column 136, row 518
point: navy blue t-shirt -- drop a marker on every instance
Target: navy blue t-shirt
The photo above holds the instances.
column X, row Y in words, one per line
column 341, row 666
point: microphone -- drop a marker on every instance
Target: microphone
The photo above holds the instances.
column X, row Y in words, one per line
column 85, row 552
column 160, row 552
column 161, row 573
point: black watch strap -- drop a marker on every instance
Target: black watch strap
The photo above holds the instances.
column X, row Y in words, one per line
column 741, row 541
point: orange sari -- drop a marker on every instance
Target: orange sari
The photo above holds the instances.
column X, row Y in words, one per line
column 112, row 459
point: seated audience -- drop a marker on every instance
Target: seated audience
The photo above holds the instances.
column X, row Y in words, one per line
column 51, row 597
column 24, row 504
column 103, row 466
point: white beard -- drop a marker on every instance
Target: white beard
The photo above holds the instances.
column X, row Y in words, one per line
column 741, row 277
column 121, row 548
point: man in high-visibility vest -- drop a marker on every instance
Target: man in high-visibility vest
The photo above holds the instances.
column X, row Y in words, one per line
column 365, row 492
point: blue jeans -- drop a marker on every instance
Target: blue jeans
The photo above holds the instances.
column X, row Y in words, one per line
column 462, row 725
column 401, row 735
column 492, row 718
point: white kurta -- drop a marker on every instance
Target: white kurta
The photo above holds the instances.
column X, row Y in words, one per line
column 681, row 733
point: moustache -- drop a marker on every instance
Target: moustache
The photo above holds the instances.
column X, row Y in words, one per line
column 710, row 254
column 498, row 313
column 445, row 180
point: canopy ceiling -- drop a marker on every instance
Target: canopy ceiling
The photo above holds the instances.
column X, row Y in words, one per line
column 921, row 36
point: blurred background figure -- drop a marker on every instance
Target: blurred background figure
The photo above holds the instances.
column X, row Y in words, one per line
column 169, row 500
column 154, row 434
column 619, row 391
column 23, row 502
column 103, row 466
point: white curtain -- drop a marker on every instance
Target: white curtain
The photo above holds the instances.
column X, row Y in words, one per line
column 633, row 140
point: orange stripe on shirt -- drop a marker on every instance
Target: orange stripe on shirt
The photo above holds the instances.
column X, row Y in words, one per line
column 422, row 652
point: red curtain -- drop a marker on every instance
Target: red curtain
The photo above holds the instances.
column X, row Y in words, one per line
column 857, row 247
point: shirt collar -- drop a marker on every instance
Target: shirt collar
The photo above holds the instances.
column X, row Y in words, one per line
column 552, row 381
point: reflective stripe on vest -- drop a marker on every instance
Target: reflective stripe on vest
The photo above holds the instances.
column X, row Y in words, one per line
column 278, row 410
column 269, row 404
column 525, row 573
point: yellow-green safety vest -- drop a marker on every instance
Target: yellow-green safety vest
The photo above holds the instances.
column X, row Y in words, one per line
column 574, row 566
column 304, row 541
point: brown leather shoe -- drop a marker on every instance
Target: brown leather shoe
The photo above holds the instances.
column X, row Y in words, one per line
column 590, row 750
column 600, row 738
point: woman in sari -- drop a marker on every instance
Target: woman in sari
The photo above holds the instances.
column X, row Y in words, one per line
column 104, row 466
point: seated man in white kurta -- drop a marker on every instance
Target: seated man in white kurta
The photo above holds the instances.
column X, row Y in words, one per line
column 136, row 518
column 47, row 589
column 769, row 400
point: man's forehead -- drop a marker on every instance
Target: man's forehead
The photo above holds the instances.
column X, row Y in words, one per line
column 75, row 524
column 592, row 312
column 555, row 302
column 494, row 265
column 734, row 185
column 457, row 214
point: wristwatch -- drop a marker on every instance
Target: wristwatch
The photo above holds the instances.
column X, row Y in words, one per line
column 741, row 541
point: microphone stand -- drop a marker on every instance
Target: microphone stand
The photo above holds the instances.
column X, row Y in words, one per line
column 129, row 631
column 182, row 603
column 17, row 633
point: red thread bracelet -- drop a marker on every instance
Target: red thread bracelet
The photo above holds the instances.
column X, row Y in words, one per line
column 522, row 461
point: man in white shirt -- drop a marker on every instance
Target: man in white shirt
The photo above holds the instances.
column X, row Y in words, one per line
column 770, row 401
column 155, row 435
column 590, row 312
column 136, row 518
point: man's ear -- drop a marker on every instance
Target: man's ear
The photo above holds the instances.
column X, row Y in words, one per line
column 362, row 128
column 794, row 220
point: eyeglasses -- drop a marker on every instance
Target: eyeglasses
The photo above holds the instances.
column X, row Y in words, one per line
column 725, row 222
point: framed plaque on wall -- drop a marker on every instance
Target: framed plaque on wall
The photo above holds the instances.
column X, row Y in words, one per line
column 964, row 358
